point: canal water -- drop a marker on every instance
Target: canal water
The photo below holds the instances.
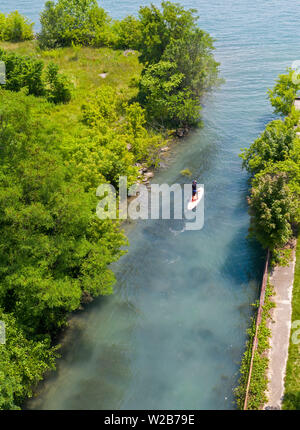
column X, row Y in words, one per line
column 173, row 334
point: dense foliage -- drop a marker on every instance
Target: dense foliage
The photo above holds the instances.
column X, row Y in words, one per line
column 80, row 21
column 283, row 94
column 179, row 63
column 54, row 251
column 27, row 72
column 291, row 400
column 118, row 138
column 127, row 33
column 23, row 361
column 274, row 144
column 177, row 55
column 166, row 100
column 15, row 28
column 274, row 160
column 272, row 209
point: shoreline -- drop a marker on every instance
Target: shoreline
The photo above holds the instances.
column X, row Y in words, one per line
column 67, row 334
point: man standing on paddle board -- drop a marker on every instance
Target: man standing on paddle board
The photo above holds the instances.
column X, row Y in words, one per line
column 194, row 188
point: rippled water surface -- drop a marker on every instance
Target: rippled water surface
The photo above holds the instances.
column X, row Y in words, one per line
column 173, row 334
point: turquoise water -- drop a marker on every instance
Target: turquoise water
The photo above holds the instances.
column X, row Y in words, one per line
column 173, row 334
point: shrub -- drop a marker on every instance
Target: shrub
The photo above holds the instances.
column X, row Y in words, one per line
column 59, row 86
column 27, row 72
column 274, row 145
column 128, row 33
column 80, row 21
column 272, row 210
column 102, row 107
column 166, row 101
column 15, row 28
column 23, row 72
column 282, row 96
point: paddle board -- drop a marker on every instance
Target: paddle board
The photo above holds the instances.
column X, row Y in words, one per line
column 193, row 204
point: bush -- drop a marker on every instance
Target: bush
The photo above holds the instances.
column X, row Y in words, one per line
column 128, row 33
column 272, row 210
column 282, row 96
column 26, row 72
column 274, row 144
column 166, row 101
column 23, row 362
column 80, row 21
column 23, row 72
column 102, row 107
column 59, row 86
column 179, row 64
column 15, row 28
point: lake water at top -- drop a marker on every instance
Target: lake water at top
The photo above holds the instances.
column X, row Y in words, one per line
column 173, row 334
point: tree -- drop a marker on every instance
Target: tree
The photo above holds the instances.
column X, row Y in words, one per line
column 274, row 145
column 159, row 27
column 59, row 86
column 290, row 167
column 80, row 21
column 128, row 33
column 15, row 27
column 166, row 100
column 53, row 247
column 179, row 65
column 282, row 96
column 23, row 362
column 272, row 209
column 193, row 56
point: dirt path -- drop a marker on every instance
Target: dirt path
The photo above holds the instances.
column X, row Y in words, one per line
column 282, row 279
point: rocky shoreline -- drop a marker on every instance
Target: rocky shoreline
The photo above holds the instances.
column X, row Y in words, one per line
column 147, row 173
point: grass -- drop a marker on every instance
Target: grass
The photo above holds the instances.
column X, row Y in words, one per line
column 84, row 65
column 292, row 379
column 259, row 381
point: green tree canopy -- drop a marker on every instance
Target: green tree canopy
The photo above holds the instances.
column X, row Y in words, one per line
column 127, row 33
column 166, row 100
column 22, row 363
column 15, row 28
column 273, row 145
column 161, row 26
column 179, row 65
column 53, row 247
column 283, row 94
column 79, row 21
column 272, row 209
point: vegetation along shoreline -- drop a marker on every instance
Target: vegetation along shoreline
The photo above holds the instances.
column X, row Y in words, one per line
column 273, row 161
column 85, row 101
